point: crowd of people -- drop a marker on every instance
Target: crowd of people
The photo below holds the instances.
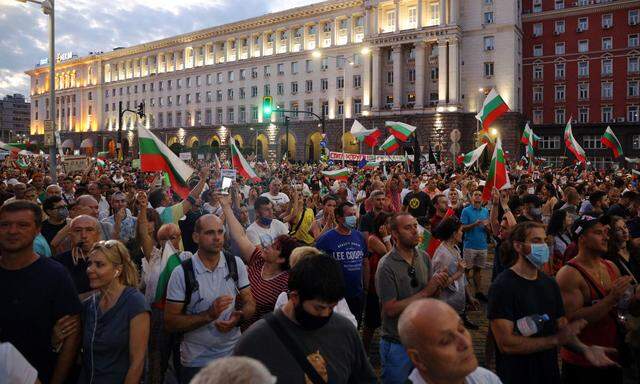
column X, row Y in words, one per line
column 108, row 276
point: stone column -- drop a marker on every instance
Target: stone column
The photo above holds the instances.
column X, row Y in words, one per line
column 454, row 10
column 375, row 79
column 443, row 12
column 319, row 30
column 349, row 29
column 366, row 82
column 367, row 20
column 397, row 15
column 376, row 28
column 419, row 10
column 420, row 74
column 442, row 72
column 453, row 64
column 175, row 60
column 397, row 77
column 334, row 38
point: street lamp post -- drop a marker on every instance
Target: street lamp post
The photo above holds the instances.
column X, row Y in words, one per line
column 47, row 9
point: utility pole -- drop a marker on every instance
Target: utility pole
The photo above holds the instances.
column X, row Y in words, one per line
column 52, row 92
column 286, row 129
column 139, row 111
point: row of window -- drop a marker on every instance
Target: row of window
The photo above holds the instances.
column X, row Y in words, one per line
column 606, row 91
column 606, row 22
column 606, row 43
column 217, row 116
column 633, row 67
column 606, row 115
column 588, row 142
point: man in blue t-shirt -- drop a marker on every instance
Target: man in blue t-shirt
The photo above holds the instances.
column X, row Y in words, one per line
column 347, row 245
column 475, row 225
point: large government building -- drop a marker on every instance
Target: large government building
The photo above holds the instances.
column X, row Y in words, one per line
column 429, row 63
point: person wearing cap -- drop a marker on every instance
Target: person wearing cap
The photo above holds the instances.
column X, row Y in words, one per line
column 591, row 289
column 521, row 292
column 531, row 209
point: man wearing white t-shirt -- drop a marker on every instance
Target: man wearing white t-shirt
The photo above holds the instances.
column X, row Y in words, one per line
column 280, row 200
column 265, row 229
column 439, row 345
column 14, row 368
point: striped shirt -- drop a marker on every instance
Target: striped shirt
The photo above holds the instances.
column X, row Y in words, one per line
column 265, row 291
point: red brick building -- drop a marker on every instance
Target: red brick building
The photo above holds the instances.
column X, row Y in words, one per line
column 582, row 59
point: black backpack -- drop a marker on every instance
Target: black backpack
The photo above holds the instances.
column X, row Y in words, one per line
column 191, row 284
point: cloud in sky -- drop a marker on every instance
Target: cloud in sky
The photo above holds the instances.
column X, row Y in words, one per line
column 99, row 25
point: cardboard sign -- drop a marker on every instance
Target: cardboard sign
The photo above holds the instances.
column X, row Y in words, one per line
column 230, row 173
column 75, row 164
column 185, row 155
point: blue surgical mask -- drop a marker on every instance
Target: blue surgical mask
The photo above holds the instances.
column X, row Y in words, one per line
column 539, row 254
column 266, row 221
column 350, row 222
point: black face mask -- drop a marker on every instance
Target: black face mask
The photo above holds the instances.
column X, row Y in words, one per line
column 308, row 321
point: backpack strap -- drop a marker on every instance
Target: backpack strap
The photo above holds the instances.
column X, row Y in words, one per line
column 190, row 283
column 232, row 266
column 294, row 349
column 297, row 226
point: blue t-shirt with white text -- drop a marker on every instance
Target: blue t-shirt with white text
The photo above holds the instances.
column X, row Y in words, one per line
column 350, row 251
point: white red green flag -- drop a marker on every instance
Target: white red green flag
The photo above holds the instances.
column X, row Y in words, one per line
column 573, row 145
column 471, row 157
column 498, row 176
column 240, row 163
column 610, row 141
column 368, row 136
column 528, row 137
column 339, row 174
column 156, row 156
column 401, row 131
column 390, row 145
column 492, row 108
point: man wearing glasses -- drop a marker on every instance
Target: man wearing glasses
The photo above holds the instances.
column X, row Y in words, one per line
column 404, row 275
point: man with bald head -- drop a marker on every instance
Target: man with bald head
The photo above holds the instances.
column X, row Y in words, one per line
column 53, row 190
column 210, row 321
column 84, row 232
column 19, row 189
column 439, row 346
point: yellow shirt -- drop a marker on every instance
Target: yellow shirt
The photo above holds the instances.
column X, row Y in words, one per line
column 303, row 232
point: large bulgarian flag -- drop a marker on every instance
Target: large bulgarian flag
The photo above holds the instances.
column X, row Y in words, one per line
column 610, row 141
column 240, row 163
column 390, row 145
column 156, row 156
column 498, row 176
column 169, row 261
column 369, row 136
column 401, row 131
column 338, row 174
column 472, row 156
column 492, row 108
column 573, row 145
column 528, row 137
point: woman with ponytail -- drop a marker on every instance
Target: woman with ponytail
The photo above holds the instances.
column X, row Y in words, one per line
column 116, row 318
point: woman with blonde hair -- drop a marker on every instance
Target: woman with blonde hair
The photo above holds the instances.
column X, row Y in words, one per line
column 298, row 254
column 115, row 319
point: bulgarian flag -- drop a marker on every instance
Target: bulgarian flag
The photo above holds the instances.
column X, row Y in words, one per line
column 390, row 145
column 401, row 131
column 338, row 174
column 240, row 163
column 156, row 156
column 492, row 108
column 573, row 145
column 169, row 261
column 528, row 137
column 369, row 136
column 100, row 163
column 428, row 243
column 472, row 156
column 498, row 176
column 610, row 141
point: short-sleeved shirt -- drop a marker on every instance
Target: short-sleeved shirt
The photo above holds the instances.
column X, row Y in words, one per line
column 206, row 343
column 33, row 299
column 512, row 297
column 394, row 283
column 479, row 376
column 265, row 236
column 367, row 222
column 127, row 227
column 350, row 251
column 335, row 348
column 171, row 214
column 475, row 238
column 265, row 291
column 105, row 337
column 14, row 368
column 418, row 203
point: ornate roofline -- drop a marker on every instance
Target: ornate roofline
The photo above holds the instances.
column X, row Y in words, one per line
column 580, row 10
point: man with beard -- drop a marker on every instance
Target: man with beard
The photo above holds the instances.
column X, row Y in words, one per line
column 417, row 202
column 307, row 328
column 404, row 275
column 531, row 209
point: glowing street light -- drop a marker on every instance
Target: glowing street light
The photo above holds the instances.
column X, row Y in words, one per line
column 493, row 132
column 317, row 54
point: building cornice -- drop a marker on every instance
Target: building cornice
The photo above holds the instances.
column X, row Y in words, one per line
column 414, row 35
column 579, row 10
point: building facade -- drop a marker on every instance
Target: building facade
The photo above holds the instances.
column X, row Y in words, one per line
column 426, row 62
column 15, row 118
column 582, row 59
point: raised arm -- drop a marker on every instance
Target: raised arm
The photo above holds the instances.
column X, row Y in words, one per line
column 236, row 232
column 141, row 226
column 197, row 190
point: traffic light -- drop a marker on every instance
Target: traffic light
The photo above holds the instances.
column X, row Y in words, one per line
column 140, row 110
column 267, row 107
